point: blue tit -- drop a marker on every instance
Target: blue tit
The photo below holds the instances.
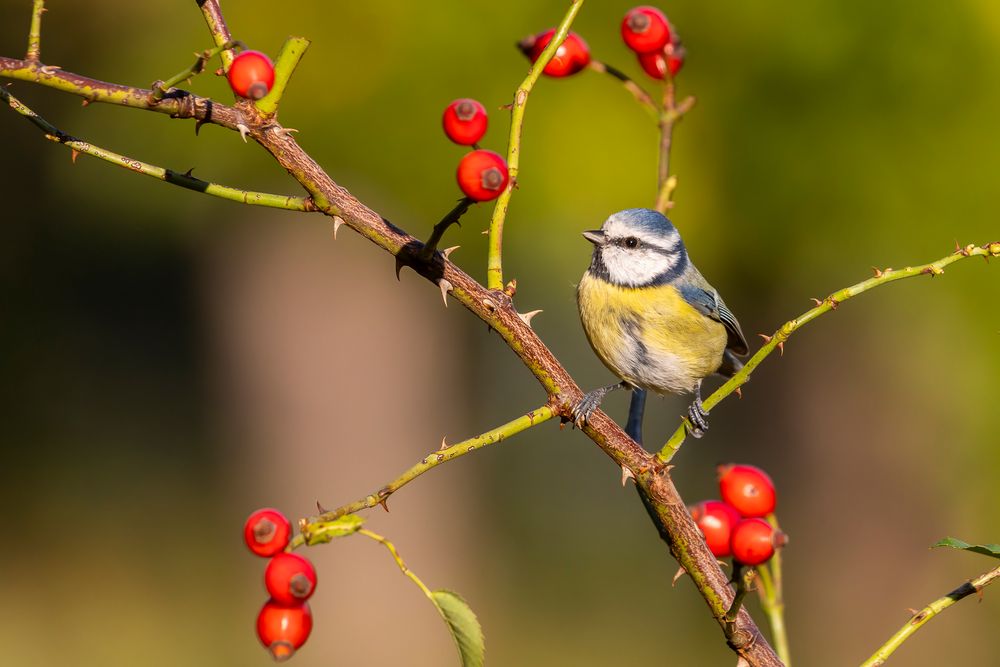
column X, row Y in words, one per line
column 650, row 316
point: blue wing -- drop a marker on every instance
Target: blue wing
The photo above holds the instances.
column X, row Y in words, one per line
column 711, row 305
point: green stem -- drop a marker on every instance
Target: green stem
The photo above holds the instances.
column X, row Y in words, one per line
column 929, row 612
column 494, row 263
column 772, row 599
column 35, row 32
column 829, row 303
column 637, row 91
column 284, row 65
column 399, row 560
column 435, row 459
column 160, row 88
column 217, row 26
column 53, row 133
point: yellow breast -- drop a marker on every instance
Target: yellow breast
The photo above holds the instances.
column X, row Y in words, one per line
column 650, row 336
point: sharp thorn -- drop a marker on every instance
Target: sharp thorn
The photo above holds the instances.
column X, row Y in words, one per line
column 446, row 287
column 526, row 317
column 876, row 271
column 833, row 303
column 816, row 301
column 739, row 392
column 680, row 573
column 384, row 503
column 485, row 232
column 73, row 154
column 447, row 251
column 337, row 222
column 244, row 130
column 913, row 612
column 781, row 348
column 320, row 508
column 399, row 266
column 627, row 475
column 767, row 339
column 49, row 69
column 958, row 248
column 444, row 445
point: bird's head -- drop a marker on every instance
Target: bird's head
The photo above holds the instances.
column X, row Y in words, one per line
column 637, row 247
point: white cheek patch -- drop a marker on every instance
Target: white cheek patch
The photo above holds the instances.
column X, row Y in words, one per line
column 635, row 267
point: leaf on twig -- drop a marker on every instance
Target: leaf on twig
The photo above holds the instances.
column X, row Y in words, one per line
column 984, row 549
column 464, row 627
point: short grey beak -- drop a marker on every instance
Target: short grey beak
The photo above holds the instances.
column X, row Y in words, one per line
column 595, row 236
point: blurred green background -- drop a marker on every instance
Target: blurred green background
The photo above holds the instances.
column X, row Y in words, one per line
column 172, row 362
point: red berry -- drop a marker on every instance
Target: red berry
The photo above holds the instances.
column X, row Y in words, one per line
column 656, row 64
column 266, row 532
column 283, row 629
column 754, row 541
column 571, row 56
column 747, row 489
column 465, row 121
column 251, row 75
column 645, row 30
column 482, row 175
column 290, row 579
column 716, row 520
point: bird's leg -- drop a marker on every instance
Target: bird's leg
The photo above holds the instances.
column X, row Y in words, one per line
column 636, row 408
column 698, row 414
column 591, row 401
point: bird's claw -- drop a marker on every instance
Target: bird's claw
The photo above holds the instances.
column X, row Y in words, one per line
column 582, row 411
column 699, row 419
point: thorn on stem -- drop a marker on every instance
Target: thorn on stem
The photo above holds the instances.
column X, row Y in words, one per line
column 444, row 445
column 767, row 339
column 739, row 392
column 876, row 271
column 337, row 222
column 447, row 251
column 446, row 287
column 244, row 131
column 399, row 266
column 677, row 575
column 933, row 270
column 49, row 69
column 73, row 154
column 320, row 508
column 816, row 301
column 627, row 475
column 526, row 317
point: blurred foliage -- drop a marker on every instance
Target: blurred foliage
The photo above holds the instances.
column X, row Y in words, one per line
column 828, row 137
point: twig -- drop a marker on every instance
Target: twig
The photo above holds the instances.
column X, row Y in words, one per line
column 160, row 88
column 399, row 559
column 451, row 218
column 52, row 133
column 217, row 26
column 772, row 599
column 34, row 53
column 284, row 65
column 929, row 612
column 637, row 91
column 829, row 303
column 434, row 459
column 494, row 263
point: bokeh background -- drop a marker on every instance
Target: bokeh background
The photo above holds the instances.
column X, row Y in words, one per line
column 171, row 362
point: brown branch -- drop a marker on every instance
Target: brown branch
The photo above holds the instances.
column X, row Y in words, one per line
column 662, row 501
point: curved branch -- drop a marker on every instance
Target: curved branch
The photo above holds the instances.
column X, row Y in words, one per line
column 831, row 302
column 494, row 262
column 185, row 180
column 929, row 612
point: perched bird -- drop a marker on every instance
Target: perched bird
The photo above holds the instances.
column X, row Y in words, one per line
column 650, row 316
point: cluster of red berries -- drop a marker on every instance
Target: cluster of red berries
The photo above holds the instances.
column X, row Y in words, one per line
column 285, row 620
column 645, row 30
column 251, row 75
column 482, row 174
column 735, row 526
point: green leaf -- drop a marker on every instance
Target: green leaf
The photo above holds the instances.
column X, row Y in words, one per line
column 464, row 627
column 325, row 531
column 984, row 549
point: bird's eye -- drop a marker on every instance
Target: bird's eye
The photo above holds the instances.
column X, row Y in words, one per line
column 631, row 242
